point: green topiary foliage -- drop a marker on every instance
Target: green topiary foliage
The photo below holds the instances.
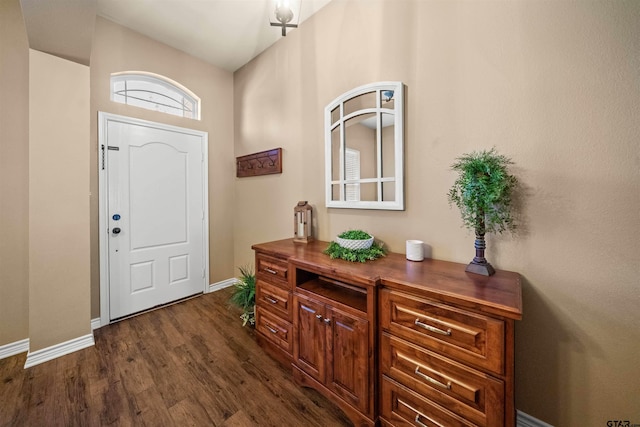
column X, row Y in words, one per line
column 483, row 191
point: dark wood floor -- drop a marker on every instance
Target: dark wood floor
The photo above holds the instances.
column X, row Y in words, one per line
column 189, row 364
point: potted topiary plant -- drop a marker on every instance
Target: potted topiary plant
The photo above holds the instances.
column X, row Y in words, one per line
column 244, row 294
column 483, row 192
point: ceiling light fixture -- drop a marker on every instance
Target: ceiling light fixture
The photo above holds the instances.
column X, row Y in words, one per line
column 284, row 15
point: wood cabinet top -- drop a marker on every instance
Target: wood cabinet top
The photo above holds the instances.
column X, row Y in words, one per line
column 446, row 281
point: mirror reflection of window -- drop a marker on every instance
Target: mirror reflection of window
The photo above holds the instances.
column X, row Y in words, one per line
column 352, row 173
column 367, row 120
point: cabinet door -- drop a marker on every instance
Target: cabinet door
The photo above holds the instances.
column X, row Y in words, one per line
column 348, row 356
column 309, row 343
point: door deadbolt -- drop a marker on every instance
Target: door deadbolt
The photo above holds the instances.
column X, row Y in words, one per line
column 116, row 230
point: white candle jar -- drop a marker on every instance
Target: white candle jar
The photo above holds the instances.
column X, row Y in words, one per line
column 415, row 250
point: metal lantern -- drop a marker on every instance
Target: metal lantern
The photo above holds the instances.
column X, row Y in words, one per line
column 302, row 220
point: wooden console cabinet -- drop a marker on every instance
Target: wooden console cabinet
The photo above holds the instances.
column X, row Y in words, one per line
column 391, row 342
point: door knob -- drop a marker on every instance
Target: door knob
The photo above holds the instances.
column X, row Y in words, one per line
column 116, row 230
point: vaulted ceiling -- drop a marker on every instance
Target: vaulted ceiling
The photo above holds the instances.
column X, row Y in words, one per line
column 225, row 33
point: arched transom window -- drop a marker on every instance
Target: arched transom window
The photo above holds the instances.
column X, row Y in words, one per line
column 154, row 92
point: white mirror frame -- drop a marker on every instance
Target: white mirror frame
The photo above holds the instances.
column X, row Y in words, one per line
column 398, row 112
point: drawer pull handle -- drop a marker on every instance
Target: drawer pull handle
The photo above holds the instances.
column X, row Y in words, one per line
column 273, row 331
column 432, row 328
column 421, row 424
column 433, row 381
column 419, row 415
column 271, row 300
column 268, row 270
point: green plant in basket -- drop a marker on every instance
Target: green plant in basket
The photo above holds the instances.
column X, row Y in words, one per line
column 355, row 235
column 244, row 294
column 355, row 246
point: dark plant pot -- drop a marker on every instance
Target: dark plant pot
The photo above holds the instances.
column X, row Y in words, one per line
column 480, row 265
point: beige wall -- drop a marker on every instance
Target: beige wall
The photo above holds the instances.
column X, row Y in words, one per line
column 116, row 49
column 14, row 174
column 59, row 294
column 553, row 85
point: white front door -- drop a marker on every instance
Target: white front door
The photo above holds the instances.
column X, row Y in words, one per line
column 155, row 177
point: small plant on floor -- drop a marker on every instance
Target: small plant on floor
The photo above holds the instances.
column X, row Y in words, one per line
column 244, row 294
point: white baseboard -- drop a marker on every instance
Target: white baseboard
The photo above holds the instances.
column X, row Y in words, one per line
column 14, row 348
column 55, row 351
column 223, row 284
column 96, row 323
column 525, row 420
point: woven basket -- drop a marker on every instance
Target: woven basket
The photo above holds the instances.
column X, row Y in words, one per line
column 354, row 244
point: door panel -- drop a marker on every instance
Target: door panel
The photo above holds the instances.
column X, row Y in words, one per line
column 152, row 193
column 156, row 207
column 348, row 358
column 309, row 344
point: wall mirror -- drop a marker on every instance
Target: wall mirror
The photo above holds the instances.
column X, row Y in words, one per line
column 364, row 148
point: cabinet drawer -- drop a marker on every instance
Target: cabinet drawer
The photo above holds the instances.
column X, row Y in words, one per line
column 402, row 407
column 468, row 337
column 272, row 269
column 467, row 392
column 274, row 299
column 275, row 329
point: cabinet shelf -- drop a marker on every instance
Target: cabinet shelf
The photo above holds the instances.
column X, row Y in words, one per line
column 336, row 291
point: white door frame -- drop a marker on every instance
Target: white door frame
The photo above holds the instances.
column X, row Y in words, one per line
column 103, row 195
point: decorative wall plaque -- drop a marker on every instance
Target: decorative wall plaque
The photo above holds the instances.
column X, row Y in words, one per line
column 262, row 163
